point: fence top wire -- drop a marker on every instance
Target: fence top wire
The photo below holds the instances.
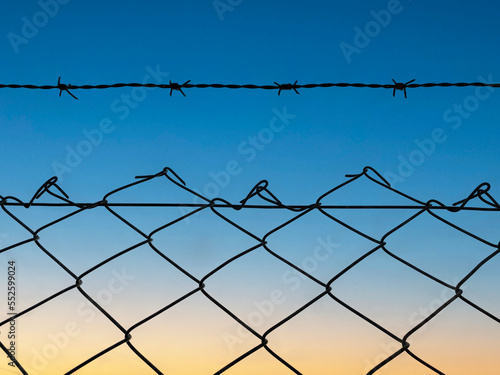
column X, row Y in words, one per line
column 174, row 86
column 261, row 190
column 481, row 192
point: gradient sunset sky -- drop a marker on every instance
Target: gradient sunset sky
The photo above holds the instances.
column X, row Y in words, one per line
column 439, row 143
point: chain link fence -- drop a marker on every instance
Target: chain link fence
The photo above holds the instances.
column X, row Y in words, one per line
column 248, row 249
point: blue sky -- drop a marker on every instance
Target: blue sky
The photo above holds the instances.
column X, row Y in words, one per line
column 438, row 143
column 335, row 131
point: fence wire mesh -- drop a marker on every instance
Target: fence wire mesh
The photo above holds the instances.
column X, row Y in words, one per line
column 267, row 201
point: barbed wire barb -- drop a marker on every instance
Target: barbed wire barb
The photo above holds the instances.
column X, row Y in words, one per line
column 177, row 87
column 400, row 86
column 62, row 87
column 287, row 86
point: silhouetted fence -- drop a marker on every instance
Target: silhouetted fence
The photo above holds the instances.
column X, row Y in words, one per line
column 260, row 197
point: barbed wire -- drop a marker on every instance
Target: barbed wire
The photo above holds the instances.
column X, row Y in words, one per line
column 262, row 192
column 173, row 86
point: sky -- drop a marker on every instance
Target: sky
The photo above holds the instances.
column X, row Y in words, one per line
column 438, row 143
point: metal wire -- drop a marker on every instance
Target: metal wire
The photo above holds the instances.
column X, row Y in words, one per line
column 417, row 208
column 277, row 86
